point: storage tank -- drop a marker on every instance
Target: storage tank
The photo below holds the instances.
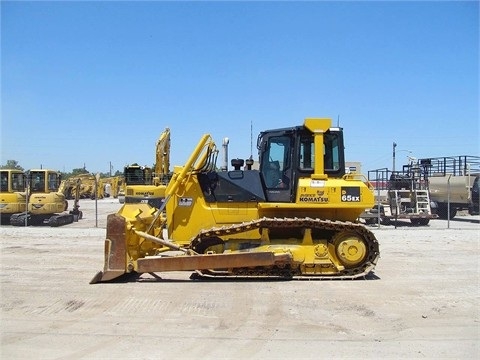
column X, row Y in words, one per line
column 456, row 189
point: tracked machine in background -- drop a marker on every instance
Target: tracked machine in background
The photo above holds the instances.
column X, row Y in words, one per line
column 47, row 203
column 146, row 185
column 139, row 186
column 294, row 217
column 86, row 190
column 12, row 194
column 108, row 187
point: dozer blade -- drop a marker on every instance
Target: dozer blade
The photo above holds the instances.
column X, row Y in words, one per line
column 115, row 250
column 115, row 257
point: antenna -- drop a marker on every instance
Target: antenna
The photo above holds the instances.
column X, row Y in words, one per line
column 251, row 139
column 338, row 120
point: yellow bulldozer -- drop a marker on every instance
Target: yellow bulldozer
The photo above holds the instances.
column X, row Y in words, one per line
column 294, row 217
column 12, row 194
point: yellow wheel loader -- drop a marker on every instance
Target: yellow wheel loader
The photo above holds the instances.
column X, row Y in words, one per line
column 12, row 194
column 294, row 217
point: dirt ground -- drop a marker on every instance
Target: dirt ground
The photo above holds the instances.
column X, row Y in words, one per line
column 423, row 302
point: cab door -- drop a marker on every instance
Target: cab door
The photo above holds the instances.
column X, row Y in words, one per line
column 276, row 166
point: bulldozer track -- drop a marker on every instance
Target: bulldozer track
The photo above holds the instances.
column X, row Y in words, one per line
column 285, row 271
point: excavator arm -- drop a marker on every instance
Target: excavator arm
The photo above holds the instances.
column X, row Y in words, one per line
column 162, row 156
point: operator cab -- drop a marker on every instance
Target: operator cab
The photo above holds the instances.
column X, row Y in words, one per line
column 44, row 181
column 137, row 175
column 287, row 155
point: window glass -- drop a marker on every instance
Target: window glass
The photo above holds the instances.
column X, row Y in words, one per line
column 52, row 182
column 275, row 162
column 307, row 154
column 4, row 181
column 17, row 182
column 331, row 152
column 38, row 181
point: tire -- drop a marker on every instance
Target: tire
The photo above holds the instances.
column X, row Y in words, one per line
column 415, row 221
column 443, row 211
column 424, row 222
column 419, row 222
column 385, row 221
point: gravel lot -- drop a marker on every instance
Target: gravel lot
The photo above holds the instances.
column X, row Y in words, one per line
column 423, row 302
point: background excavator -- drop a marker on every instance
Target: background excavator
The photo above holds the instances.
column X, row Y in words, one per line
column 295, row 217
column 91, row 188
column 12, row 194
column 47, row 203
column 144, row 185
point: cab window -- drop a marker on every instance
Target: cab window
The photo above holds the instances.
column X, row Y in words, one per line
column 275, row 162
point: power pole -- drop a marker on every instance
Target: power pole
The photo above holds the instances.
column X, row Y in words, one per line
column 394, row 146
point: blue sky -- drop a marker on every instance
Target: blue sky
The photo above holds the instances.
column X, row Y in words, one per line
column 94, row 83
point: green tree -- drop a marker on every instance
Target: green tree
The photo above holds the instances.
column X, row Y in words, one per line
column 79, row 171
column 12, row 164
